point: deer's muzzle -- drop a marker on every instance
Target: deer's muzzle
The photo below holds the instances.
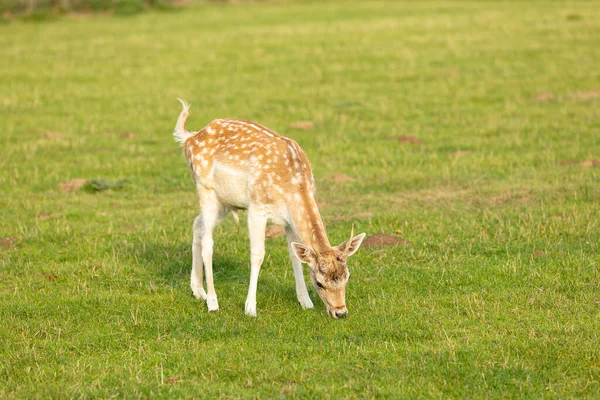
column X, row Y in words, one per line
column 338, row 312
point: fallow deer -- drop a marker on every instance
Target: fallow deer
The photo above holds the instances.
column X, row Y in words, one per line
column 240, row 165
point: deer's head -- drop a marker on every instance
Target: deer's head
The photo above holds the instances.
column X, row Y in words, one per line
column 329, row 271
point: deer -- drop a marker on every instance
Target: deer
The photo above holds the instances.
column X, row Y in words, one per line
column 241, row 165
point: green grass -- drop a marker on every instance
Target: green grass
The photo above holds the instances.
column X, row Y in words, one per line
column 499, row 296
column 45, row 10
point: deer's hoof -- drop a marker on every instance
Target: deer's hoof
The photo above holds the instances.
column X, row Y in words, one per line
column 198, row 292
column 212, row 304
column 306, row 302
column 251, row 308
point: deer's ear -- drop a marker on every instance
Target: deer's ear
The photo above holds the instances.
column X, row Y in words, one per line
column 349, row 247
column 304, row 253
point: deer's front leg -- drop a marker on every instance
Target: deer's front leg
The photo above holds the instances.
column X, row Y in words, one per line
column 257, row 222
column 301, row 290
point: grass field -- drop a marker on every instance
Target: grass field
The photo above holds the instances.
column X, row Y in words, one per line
column 470, row 129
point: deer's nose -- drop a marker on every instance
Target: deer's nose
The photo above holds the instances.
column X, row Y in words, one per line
column 339, row 312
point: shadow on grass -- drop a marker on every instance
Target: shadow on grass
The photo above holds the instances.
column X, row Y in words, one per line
column 171, row 264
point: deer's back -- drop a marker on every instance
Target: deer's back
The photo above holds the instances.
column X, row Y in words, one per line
column 245, row 162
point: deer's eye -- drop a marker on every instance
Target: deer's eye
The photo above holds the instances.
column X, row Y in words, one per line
column 319, row 284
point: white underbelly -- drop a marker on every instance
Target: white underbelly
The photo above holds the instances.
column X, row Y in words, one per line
column 231, row 186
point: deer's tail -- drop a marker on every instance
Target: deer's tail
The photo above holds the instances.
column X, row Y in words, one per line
column 181, row 134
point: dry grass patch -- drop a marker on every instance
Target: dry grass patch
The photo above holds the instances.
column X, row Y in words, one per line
column 72, row 185
column 305, row 125
column 341, row 178
column 383, row 240
column 406, row 139
column 7, row 242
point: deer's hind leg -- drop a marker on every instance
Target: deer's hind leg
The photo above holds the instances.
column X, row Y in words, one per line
column 197, row 281
column 257, row 222
column 211, row 213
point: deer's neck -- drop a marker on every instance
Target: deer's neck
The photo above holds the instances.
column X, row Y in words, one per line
column 307, row 221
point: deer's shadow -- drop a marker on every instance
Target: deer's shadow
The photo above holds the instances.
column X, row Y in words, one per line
column 171, row 263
